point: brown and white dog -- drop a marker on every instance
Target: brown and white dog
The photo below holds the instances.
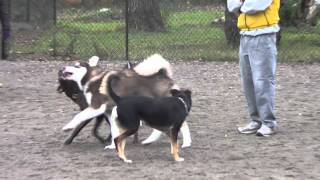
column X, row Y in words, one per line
column 151, row 78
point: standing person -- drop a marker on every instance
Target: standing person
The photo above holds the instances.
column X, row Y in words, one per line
column 5, row 27
column 258, row 25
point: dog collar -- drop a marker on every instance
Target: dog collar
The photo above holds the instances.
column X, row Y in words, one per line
column 184, row 103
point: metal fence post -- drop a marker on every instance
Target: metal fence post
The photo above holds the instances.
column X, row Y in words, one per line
column 54, row 43
column 127, row 29
column 28, row 11
column 54, row 12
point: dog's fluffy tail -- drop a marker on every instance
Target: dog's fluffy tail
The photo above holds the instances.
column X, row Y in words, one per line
column 112, row 94
column 153, row 65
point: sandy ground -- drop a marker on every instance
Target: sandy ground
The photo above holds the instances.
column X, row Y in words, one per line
column 32, row 114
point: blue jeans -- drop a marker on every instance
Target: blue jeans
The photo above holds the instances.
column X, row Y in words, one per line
column 258, row 58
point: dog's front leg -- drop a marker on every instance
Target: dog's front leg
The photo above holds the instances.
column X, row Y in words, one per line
column 107, row 117
column 186, row 135
column 175, row 146
column 84, row 115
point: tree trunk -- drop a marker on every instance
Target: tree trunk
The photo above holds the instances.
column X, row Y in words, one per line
column 231, row 30
column 309, row 11
column 145, row 15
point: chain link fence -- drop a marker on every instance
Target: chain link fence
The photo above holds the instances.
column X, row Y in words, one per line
column 192, row 30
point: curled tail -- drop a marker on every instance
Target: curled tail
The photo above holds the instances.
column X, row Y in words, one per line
column 112, row 94
column 152, row 65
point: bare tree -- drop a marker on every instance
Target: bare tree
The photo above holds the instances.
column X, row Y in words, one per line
column 231, row 30
column 145, row 15
column 308, row 11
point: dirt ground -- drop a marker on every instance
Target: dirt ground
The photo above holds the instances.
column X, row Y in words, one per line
column 32, row 114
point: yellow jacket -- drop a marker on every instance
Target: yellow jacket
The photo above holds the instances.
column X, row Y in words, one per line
column 267, row 18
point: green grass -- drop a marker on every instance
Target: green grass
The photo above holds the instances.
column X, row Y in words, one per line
column 91, row 26
column 190, row 35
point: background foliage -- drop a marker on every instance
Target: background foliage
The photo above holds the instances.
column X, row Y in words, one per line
column 194, row 31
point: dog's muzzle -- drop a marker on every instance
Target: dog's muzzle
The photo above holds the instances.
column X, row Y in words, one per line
column 62, row 74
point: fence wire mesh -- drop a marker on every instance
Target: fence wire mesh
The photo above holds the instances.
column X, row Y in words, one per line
column 193, row 30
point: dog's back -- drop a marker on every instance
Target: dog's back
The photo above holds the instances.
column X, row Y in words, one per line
column 129, row 83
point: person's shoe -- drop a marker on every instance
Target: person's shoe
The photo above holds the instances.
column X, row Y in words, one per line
column 265, row 131
column 251, row 128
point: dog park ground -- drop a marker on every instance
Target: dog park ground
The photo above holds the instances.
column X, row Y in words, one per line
column 32, row 114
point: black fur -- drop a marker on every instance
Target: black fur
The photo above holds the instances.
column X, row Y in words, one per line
column 165, row 113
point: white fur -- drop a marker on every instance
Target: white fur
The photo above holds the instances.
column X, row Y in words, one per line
column 78, row 74
column 84, row 115
column 93, row 61
column 152, row 65
column 175, row 86
column 115, row 132
column 88, row 97
column 155, row 135
column 112, row 145
column 186, row 135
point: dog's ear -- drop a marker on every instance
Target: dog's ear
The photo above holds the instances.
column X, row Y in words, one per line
column 174, row 92
column 188, row 92
column 93, row 61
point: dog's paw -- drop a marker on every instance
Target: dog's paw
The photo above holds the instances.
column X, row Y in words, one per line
column 111, row 146
column 67, row 142
column 67, row 128
column 186, row 145
column 179, row 159
column 127, row 161
column 146, row 142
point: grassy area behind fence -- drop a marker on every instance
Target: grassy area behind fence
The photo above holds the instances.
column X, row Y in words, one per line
column 190, row 35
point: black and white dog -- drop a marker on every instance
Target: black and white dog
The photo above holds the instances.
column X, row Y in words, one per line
column 72, row 90
column 167, row 114
column 151, row 78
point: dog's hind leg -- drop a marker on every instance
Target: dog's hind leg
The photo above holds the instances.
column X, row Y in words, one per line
column 109, row 138
column 136, row 138
column 84, row 115
column 186, row 135
column 120, row 142
column 155, row 135
column 75, row 132
column 95, row 128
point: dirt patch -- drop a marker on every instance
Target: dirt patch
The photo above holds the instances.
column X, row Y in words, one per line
column 32, row 114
